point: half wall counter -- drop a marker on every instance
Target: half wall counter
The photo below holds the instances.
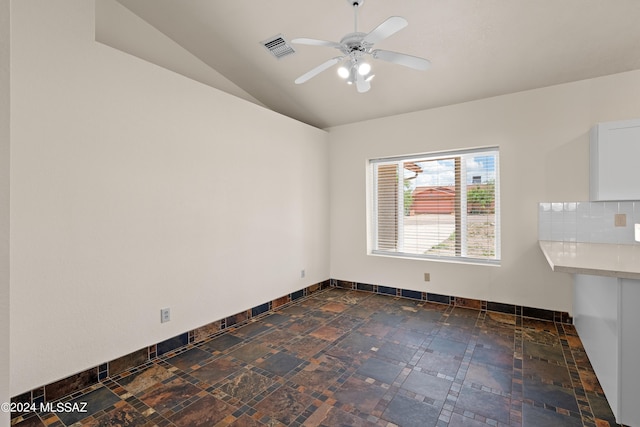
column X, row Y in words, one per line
column 606, row 316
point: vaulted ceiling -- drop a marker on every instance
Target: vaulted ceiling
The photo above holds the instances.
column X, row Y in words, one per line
column 478, row 49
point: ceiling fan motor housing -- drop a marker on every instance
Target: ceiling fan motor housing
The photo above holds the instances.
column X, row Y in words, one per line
column 353, row 43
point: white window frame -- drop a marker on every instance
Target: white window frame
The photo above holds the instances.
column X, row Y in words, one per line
column 372, row 208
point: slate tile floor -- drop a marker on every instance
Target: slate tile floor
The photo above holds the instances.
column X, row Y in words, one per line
column 348, row 358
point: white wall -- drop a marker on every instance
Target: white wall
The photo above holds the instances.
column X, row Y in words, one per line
column 4, row 207
column 543, row 140
column 118, row 27
column 134, row 188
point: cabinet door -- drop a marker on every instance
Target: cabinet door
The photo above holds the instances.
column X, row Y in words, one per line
column 615, row 156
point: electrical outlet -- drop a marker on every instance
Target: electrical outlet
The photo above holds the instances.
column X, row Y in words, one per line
column 302, row 274
column 427, row 277
column 165, row 315
column 620, row 220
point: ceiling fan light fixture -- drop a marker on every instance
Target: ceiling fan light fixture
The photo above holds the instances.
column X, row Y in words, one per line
column 364, row 68
column 351, row 79
column 369, row 78
column 343, row 72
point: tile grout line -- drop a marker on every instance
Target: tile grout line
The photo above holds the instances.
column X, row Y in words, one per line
column 586, row 413
column 453, row 394
column 517, row 392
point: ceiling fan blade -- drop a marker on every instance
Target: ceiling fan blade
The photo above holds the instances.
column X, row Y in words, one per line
column 320, row 68
column 410, row 61
column 315, row 42
column 362, row 84
column 389, row 27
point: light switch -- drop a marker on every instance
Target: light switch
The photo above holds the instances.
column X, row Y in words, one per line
column 637, row 232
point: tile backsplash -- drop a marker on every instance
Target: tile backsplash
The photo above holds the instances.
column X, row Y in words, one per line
column 593, row 222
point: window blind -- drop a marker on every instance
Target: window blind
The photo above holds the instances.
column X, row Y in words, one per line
column 443, row 205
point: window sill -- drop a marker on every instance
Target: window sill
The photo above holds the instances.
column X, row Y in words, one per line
column 449, row 260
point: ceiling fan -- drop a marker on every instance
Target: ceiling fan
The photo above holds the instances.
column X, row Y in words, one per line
column 356, row 46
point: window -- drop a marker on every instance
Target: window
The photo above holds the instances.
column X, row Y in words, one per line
column 440, row 205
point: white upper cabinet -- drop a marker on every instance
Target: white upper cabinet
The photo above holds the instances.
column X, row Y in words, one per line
column 614, row 170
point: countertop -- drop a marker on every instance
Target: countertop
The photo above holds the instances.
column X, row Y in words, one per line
column 599, row 259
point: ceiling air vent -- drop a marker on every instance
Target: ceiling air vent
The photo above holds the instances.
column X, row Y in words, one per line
column 278, row 46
